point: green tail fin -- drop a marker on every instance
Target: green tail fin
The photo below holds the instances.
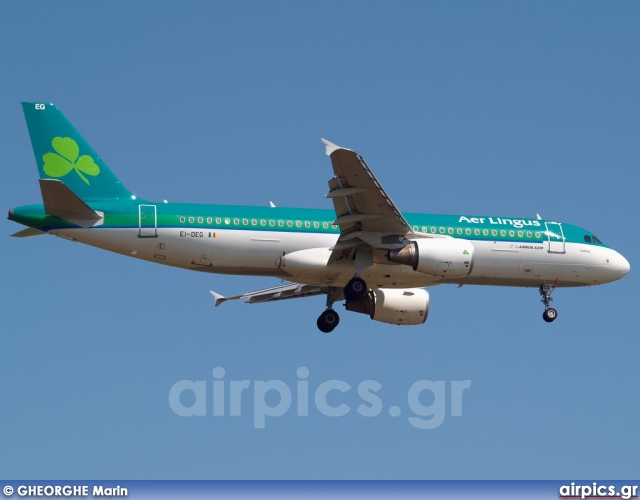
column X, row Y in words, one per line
column 62, row 153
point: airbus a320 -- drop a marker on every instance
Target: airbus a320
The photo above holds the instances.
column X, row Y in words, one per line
column 364, row 251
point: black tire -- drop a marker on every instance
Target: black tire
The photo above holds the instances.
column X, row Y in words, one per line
column 549, row 315
column 328, row 320
column 355, row 289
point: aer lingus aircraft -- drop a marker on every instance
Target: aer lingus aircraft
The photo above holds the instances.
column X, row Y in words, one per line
column 364, row 251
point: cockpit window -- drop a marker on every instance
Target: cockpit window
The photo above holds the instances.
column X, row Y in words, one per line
column 596, row 240
column 587, row 238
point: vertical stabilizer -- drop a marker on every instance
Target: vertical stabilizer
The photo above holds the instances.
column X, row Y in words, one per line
column 62, row 153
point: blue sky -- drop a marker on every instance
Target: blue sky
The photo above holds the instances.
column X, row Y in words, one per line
column 490, row 108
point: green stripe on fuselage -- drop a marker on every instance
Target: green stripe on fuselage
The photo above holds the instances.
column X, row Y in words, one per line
column 219, row 217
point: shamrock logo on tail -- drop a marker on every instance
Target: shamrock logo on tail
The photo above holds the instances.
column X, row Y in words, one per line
column 65, row 159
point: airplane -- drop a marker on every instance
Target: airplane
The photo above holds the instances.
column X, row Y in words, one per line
column 364, row 252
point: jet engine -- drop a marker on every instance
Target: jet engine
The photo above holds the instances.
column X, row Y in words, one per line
column 444, row 257
column 394, row 306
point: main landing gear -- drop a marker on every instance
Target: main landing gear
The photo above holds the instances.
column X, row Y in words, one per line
column 549, row 313
column 355, row 289
column 329, row 319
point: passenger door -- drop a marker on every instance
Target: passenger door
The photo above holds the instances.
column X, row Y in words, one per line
column 555, row 236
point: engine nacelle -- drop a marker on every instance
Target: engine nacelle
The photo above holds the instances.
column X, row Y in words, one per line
column 444, row 257
column 394, row 306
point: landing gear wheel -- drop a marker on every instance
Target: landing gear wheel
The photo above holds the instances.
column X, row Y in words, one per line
column 328, row 320
column 549, row 315
column 355, row 289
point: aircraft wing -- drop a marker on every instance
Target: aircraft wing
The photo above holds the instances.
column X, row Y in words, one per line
column 288, row 291
column 365, row 213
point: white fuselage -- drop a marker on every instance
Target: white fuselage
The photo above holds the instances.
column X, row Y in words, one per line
column 262, row 253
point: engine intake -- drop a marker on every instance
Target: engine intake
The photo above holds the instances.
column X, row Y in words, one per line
column 394, row 306
column 444, row 257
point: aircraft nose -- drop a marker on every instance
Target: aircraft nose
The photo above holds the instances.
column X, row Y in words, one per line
column 623, row 265
column 619, row 265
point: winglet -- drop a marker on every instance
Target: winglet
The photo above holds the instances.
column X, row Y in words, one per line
column 219, row 298
column 331, row 147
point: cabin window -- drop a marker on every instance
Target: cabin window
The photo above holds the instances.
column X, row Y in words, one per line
column 182, row 220
column 450, row 230
column 325, row 225
column 468, row 231
column 272, row 223
column 494, row 232
column 537, row 234
column 520, row 234
column 298, row 223
column 476, row 232
column 245, row 222
column 281, row 223
column 459, row 231
column 333, row 226
column 433, row 229
column 236, row 221
column 254, row 222
column 503, row 233
column 485, row 232
column 512, row 233
column 415, row 229
column 289, row 223
column 587, row 238
column 307, row 224
column 200, row 220
column 316, row 225
column 227, row 221
column 209, row 220
column 442, row 230
column 218, row 220
column 528, row 234
column 191, row 220
column 263, row 222
column 424, row 229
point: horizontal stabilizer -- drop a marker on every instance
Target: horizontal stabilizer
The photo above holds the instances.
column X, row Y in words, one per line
column 27, row 233
column 60, row 201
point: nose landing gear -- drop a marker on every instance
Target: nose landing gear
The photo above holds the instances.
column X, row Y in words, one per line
column 549, row 313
